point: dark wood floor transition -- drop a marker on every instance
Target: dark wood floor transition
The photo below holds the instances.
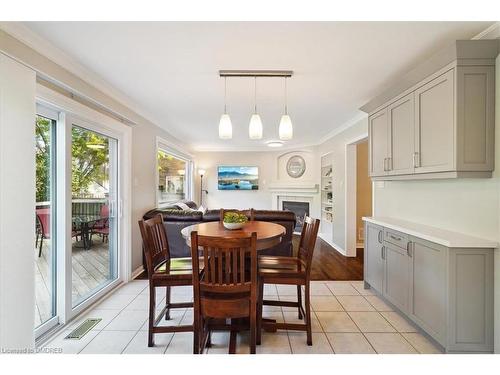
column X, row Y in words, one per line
column 329, row 264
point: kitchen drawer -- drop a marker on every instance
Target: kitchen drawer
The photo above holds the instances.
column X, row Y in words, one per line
column 396, row 238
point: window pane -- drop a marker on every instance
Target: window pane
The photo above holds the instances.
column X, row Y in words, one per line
column 94, row 229
column 171, row 178
column 44, row 218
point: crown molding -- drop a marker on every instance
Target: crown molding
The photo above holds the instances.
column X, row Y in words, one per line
column 34, row 41
column 346, row 125
column 492, row 32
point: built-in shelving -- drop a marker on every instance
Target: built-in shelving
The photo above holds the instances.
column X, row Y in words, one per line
column 326, row 192
column 327, row 198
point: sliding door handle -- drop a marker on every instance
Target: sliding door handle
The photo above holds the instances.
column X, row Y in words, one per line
column 416, row 160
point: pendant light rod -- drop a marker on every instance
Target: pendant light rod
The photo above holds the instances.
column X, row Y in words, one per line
column 255, row 73
column 255, row 95
column 225, row 91
column 286, row 99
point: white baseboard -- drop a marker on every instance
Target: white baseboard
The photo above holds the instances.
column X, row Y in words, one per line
column 137, row 272
column 326, row 237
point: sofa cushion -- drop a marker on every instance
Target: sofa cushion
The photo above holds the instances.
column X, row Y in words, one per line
column 174, row 214
column 211, row 215
column 274, row 215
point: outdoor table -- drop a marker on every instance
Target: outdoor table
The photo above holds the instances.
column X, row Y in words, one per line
column 83, row 224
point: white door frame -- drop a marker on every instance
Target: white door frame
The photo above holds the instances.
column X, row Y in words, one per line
column 350, row 194
column 71, row 112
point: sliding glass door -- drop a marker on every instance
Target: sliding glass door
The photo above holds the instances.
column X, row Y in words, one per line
column 78, row 251
column 94, row 229
column 44, row 253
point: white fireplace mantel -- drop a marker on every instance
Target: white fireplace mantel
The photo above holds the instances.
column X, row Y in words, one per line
column 294, row 187
column 294, row 191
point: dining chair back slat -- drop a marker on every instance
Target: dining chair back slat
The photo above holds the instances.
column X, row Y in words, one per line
column 155, row 243
column 226, row 286
column 308, row 241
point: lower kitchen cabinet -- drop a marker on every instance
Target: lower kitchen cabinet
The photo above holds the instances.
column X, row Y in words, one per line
column 374, row 260
column 446, row 290
column 396, row 276
column 427, row 291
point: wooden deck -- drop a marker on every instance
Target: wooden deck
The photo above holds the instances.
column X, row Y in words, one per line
column 90, row 270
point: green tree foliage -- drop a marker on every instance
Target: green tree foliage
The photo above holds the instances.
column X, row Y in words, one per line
column 42, row 157
column 169, row 166
column 88, row 163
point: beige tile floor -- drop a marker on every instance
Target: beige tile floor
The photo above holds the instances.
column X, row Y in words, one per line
column 346, row 319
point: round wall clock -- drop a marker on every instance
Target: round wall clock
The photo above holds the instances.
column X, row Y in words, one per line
column 296, row 166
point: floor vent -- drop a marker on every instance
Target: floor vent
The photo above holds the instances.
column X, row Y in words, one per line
column 83, row 329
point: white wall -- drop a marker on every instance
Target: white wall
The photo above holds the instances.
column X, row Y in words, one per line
column 337, row 147
column 17, row 203
column 271, row 169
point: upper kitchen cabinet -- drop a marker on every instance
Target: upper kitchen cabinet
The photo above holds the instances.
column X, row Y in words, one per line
column 438, row 120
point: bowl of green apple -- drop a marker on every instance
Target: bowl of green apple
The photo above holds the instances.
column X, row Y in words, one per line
column 234, row 220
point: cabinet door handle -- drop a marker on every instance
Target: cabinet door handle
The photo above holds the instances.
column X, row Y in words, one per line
column 409, row 249
column 385, row 164
column 380, row 236
column 382, row 251
column 416, row 160
column 389, row 164
column 395, row 238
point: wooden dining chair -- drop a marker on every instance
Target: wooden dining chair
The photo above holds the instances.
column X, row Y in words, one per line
column 163, row 271
column 225, row 288
column 248, row 213
column 291, row 271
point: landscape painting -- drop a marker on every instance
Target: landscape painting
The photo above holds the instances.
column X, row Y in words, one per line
column 238, row 178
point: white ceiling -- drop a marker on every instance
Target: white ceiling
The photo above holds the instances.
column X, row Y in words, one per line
column 170, row 70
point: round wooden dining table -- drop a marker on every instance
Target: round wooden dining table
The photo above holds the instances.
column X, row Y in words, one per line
column 268, row 234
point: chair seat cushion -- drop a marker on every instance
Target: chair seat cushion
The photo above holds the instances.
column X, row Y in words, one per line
column 281, row 266
column 178, row 267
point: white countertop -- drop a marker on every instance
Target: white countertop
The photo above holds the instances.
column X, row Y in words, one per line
column 437, row 235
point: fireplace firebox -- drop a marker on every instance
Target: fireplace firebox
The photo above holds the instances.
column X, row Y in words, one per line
column 300, row 209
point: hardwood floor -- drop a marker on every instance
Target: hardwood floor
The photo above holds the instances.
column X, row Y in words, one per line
column 329, row 264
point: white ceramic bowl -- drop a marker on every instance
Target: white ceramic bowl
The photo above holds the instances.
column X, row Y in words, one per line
column 233, row 226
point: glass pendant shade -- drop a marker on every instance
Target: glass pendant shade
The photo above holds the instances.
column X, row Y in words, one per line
column 255, row 128
column 225, row 127
column 286, row 128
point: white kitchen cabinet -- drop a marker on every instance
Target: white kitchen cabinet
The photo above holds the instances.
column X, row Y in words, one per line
column 396, row 276
column 434, row 125
column 438, row 120
column 378, row 129
column 401, row 136
column 374, row 259
column 427, row 292
column 442, row 281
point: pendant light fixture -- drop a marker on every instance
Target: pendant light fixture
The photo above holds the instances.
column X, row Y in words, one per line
column 225, row 125
column 286, row 127
column 255, row 127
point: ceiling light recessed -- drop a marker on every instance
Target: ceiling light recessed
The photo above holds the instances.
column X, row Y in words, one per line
column 275, row 143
